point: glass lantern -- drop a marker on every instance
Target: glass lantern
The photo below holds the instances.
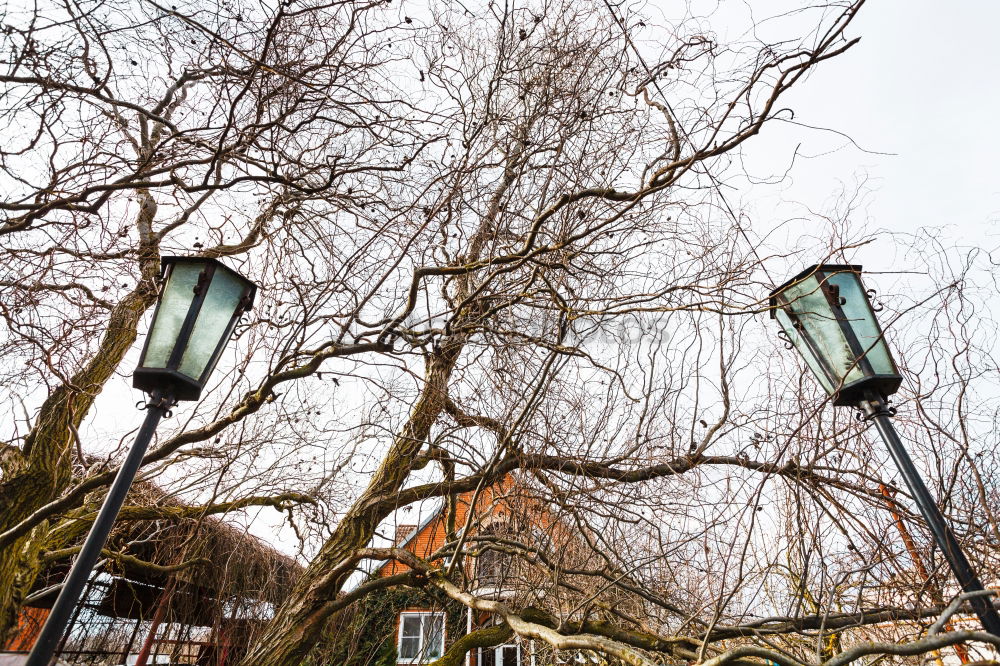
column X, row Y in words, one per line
column 200, row 302
column 827, row 316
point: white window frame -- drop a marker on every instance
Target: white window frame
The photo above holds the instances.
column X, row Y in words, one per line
column 497, row 651
column 421, row 657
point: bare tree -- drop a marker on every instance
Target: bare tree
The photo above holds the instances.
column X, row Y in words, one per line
column 491, row 240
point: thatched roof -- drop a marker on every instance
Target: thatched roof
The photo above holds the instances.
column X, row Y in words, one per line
column 217, row 568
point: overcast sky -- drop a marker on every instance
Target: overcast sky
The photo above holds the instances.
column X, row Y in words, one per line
column 918, row 95
column 921, row 85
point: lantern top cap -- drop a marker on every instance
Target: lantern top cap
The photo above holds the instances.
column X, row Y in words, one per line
column 811, row 270
column 170, row 259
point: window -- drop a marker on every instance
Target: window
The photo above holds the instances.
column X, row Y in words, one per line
column 421, row 637
column 492, row 566
column 502, row 655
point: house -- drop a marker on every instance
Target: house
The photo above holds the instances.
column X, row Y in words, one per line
column 500, row 527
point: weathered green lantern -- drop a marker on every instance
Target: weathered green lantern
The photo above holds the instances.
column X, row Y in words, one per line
column 827, row 316
column 200, row 303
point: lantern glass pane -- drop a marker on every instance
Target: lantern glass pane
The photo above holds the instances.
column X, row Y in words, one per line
column 804, row 350
column 809, row 302
column 212, row 326
column 174, row 304
column 862, row 321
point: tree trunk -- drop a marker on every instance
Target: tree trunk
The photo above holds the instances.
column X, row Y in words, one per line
column 297, row 626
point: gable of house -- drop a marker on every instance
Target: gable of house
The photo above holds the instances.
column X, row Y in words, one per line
column 498, row 505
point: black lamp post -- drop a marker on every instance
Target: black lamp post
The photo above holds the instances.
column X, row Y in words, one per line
column 200, row 303
column 827, row 316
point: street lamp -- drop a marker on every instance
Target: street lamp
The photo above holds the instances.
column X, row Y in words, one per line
column 199, row 304
column 826, row 315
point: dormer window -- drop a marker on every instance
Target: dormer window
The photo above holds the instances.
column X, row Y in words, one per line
column 493, row 567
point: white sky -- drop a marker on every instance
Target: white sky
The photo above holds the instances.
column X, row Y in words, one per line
column 921, row 84
column 918, row 89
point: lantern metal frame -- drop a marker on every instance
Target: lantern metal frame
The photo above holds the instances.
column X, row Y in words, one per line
column 170, row 379
column 882, row 383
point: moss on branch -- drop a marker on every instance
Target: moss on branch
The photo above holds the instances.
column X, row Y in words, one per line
column 482, row 638
column 129, row 560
